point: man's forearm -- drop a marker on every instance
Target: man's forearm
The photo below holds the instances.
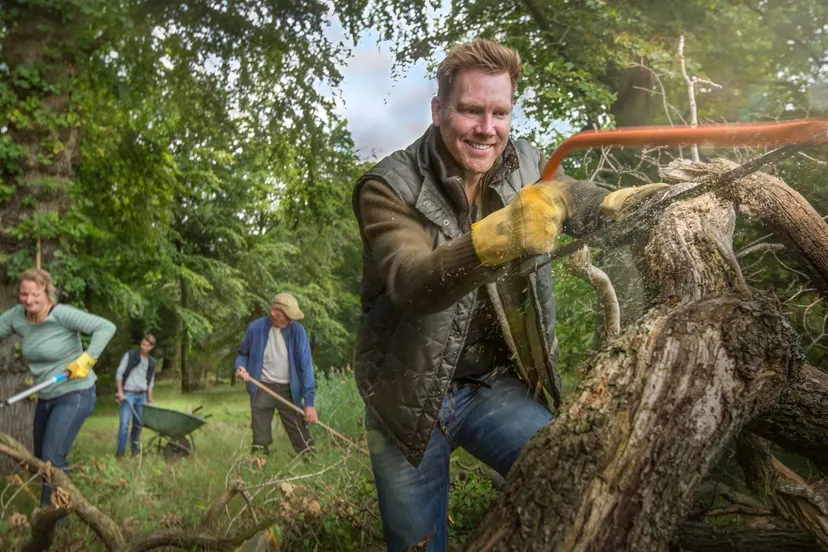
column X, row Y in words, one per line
column 419, row 278
column 119, row 385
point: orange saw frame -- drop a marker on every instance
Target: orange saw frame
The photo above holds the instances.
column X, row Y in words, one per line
column 802, row 131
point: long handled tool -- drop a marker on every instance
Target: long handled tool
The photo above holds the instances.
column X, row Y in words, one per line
column 286, row 402
column 35, row 388
column 791, row 135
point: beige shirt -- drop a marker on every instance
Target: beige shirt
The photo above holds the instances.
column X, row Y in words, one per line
column 275, row 365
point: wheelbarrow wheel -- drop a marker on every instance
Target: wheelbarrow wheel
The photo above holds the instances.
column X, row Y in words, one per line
column 178, row 447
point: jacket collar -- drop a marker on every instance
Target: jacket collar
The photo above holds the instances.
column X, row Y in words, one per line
column 442, row 197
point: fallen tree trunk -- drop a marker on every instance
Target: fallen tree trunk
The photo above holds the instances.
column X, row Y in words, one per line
column 798, row 421
column 798, row 502
column 626, row 453
column 701, row 537
column 615, row 469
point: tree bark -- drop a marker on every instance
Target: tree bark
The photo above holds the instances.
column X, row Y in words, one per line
column 618, row 467
column 798, row 421
column 701, row 537
column 16, row 420
column 37, row 40
column 185, row 342
column 798, row 502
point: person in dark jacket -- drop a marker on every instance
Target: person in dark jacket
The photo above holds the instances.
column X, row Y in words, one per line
column 275, row 351
column 447, row 354
column 134, row 380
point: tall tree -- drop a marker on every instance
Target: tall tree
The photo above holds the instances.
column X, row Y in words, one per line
column 256, row 65
column 586, row 61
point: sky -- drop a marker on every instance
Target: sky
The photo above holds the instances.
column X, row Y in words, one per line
column 387, row 112
column 384, row 113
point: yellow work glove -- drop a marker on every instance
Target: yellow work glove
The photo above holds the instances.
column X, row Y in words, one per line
column 528, row 225
column 80, row 367
column 625, row 199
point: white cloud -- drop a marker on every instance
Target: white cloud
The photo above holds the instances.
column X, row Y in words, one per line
column 385, row 113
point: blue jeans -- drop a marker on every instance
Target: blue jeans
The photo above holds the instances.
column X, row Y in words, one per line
column 56, row 425
column 492, row 424
column 137, row 400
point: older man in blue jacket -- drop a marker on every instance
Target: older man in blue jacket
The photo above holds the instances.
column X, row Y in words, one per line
column 275, row 352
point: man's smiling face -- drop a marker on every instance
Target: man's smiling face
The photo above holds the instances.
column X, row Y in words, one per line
column 475, row 120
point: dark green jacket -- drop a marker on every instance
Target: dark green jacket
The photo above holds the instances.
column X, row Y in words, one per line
column 421, row 278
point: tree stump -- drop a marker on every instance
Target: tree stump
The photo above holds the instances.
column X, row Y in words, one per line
column 625, row 455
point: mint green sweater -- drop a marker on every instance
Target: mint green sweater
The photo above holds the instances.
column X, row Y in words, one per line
column 50, row 345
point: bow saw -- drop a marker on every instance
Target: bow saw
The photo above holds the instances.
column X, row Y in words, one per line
column 788, row 137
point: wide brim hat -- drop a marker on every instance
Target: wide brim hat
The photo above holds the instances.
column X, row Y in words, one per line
column 288, row 304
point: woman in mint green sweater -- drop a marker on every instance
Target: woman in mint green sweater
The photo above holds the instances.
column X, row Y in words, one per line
column 51, row 344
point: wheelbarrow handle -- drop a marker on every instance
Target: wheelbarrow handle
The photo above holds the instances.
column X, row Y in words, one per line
column 196, row 409
column 137, row 417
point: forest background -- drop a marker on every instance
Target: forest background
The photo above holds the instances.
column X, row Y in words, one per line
column 175, row 164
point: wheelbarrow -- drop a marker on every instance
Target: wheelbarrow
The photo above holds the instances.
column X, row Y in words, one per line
column 173, row 429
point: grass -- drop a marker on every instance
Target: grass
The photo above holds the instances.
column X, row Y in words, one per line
column 146, row 492
column 324, row 503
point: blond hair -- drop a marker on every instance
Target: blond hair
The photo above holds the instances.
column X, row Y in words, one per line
column 481, row 54
column 41, row 277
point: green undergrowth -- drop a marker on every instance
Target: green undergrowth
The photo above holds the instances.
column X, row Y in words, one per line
column 327, row 502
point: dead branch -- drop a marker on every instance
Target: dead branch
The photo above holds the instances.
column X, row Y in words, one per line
column 235, row 486
column 775, row 204
column 738, row 498
column 798, row 422
column 199, row 539
column 798, row 502
column 717, row 488
column 701, row 537
column 44, row 521
column 106, row 529
column 760, row 248
column 579, row 263
column 691, row 94
column 736, row 509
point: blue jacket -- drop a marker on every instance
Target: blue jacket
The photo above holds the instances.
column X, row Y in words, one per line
column 251, row 356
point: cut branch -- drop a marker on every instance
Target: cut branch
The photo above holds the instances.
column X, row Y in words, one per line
column 579, row 263
column 103, row 526
column 701, row 537
column 200, row 539
column 44, row 521
column 775, row 204
column 211, row 518
column 798, row 422
column 798, row 502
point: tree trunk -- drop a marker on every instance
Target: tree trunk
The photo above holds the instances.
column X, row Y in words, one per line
column 185, row 342
column 38, row 50
column 622, row 461
column 16, row 420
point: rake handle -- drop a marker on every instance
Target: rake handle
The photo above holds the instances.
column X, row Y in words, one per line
column 286, row 402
